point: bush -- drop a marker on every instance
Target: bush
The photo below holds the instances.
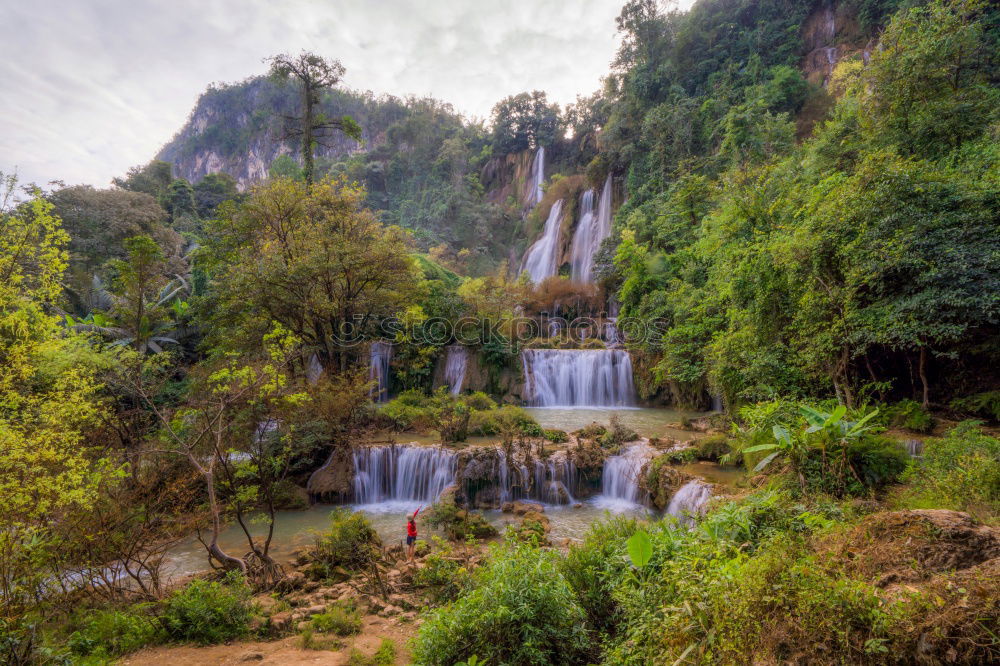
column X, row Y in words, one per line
column 509, row 419
column 712, row 447
column 556, row 436
column 873, row 462
column 592, row 431
column 384, row 656
column 594, row 568
column 112, row 633
column 209, row 612
column 960, row 471
column 443, row 577
column 521, row 610
column 339, row 619
column 616, row 434
column 458, row 523
column 985, row 404
column 911, row 415
column 351, row 544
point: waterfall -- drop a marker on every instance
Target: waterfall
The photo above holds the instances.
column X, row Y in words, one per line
column 401, row 473
column 540, row 259
column 690, row 501
column 612, row 337
column 378, row 370
column 551, row 482
column 620, row 478
column 454, row 367
column 314, row 369
column 535, row 179
column 717, row 404
column 578, row 377
column 914, row 447
column 591, row 231
column 580, row 249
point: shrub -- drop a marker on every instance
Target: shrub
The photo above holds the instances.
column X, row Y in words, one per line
column 521, row 610
column 911, row 415
column 112, row 633
column 960, row 471
column 351, row 543
column 592, row 431
column 679, row 456
column 340, row 619
column 981, row 404
column 208, row 612
column 616, row 434
column 458, row 523
column 384, row 656
column 556, row 436
column 479, row 401
column 442, row 576
column 594, row 568
column 712, row 447
column 509, row 419
column 872, row 463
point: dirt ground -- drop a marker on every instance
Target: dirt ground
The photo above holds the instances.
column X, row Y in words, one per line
column 286, row 651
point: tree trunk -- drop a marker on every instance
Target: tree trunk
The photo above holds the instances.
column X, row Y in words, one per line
column 307, row 134
column 922, row 369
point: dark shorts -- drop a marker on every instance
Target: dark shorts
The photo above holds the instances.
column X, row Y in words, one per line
column 411, row 540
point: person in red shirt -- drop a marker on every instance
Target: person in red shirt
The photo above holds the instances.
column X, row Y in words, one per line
column 411, row 534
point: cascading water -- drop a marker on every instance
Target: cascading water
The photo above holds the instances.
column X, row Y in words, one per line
column 401, row 474
column 378, row 370
column 535, row 179
column 690, row 501
column 592, row 229
column 578, row 377
column 454, row 367
column 581, row 246
column 552, row 481
column 314, row 369
column 540, row 260
column 620, row 478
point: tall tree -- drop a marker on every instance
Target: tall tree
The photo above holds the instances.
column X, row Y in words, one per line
column 315, row 74
column 313, row 260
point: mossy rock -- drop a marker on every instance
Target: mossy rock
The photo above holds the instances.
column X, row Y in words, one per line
column 661, row 480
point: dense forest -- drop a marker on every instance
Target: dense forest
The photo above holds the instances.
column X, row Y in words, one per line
column 764, row 257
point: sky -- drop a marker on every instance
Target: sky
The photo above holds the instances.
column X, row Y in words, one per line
column 89, row 88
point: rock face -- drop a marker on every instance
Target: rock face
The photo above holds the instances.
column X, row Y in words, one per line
column 831, row 34
column 508, row 383
column 237, row 129
column 333, row 482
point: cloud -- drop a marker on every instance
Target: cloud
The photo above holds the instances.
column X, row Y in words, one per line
column 91, row 87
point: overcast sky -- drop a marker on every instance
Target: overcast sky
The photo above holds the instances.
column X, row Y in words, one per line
column 91, row 87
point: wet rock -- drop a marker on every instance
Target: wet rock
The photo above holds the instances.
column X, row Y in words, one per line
column 661, row 481
column 334, row 480
column 519, row 508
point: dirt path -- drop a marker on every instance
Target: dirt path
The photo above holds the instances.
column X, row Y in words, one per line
column 287, row 651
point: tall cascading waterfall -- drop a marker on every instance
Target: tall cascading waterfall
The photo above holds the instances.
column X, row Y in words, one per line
column 456, row 359
column 401, row 474
column 580, row 248
column 591, row 230
column 690, row 501
column 540, row 259
column 535, row 179
column 620, row 478
column 378, row 370
column 578, row 377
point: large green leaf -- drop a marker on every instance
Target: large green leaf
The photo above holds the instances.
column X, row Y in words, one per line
column 640, row 549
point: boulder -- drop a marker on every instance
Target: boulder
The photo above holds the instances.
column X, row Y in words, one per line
column 660, row 480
